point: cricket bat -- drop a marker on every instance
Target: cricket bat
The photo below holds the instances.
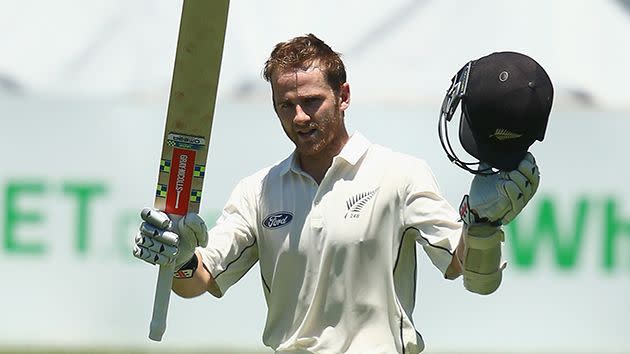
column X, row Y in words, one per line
column 188, row 126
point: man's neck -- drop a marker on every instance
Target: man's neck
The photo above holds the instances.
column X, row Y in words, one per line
column 317, row 166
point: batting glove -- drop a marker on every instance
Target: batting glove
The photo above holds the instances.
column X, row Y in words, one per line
column 164, row 242
column 499, row 198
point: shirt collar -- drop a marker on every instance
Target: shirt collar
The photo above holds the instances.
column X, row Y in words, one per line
column 354, row 149
column 290, row 164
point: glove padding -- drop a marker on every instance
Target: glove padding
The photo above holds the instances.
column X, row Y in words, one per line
column 500, row 197
column 164, row 242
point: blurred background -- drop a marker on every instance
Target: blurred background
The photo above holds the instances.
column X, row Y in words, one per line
column 83, row 94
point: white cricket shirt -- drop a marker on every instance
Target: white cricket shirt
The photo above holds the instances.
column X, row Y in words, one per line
column 337, row 260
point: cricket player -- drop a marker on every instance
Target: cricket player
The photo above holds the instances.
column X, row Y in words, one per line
column 334, row 226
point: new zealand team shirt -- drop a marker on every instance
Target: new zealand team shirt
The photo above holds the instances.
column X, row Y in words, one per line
column 337, row 260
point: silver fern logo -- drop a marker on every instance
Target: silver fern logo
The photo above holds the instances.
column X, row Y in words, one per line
column 357, row 202
column 504, row 134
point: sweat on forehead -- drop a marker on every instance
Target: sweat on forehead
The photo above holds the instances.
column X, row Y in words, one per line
column 294, row 78
column 300, row 83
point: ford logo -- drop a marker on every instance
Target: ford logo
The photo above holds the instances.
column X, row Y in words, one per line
column 277, row 220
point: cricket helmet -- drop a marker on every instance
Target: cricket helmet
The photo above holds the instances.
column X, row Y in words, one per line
column 505, row 100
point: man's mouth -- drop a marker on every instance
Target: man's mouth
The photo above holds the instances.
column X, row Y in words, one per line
column 307, row 134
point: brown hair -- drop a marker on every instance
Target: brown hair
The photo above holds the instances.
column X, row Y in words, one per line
column 302, row 52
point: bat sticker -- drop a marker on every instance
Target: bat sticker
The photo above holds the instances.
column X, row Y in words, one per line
column 186, row 141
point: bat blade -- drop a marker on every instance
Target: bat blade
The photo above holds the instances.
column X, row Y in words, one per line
column 188, row 126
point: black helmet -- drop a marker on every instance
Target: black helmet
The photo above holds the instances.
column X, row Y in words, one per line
column 506, row 99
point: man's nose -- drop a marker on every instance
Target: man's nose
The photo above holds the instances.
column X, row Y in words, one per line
column 300, row 116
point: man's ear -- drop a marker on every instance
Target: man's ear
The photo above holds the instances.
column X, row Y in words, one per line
column 344, row 96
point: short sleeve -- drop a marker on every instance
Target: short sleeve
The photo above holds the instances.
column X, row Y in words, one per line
column 232, row 249
column 431, row 218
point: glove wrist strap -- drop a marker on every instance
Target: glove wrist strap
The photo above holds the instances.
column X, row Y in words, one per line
column 188, row 269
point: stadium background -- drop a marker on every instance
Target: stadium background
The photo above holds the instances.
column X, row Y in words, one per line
column 83, row 94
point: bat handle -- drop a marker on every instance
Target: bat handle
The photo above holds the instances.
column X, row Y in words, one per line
column 161, row 301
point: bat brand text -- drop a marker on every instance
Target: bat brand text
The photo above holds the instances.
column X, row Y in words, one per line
column 181, row 176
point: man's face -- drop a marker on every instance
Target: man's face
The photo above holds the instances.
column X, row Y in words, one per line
column 310, row 112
